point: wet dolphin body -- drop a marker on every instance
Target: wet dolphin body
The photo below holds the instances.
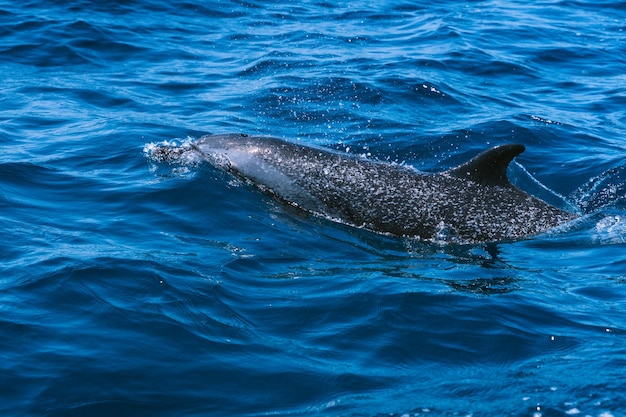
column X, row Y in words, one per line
column 474, row 202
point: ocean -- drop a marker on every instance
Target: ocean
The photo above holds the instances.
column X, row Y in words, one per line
column 131, row 286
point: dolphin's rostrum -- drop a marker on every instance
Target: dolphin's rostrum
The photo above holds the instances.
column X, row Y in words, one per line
column 474, row 202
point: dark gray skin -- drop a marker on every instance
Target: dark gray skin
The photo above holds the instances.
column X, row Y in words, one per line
column 472, row 203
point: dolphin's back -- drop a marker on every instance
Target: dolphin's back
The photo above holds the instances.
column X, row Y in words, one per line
column 474, row 202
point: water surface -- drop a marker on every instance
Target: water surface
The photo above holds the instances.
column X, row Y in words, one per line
column 132, row 287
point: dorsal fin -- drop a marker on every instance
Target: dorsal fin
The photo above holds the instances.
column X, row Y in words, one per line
column 489, row 167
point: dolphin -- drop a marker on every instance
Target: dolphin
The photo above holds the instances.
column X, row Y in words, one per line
column 472, row 203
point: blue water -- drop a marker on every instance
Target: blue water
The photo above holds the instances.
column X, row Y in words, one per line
column 132, row 287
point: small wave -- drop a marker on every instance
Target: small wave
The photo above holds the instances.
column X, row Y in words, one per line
column 605, row 227
column 607, row 190
column 611, row 229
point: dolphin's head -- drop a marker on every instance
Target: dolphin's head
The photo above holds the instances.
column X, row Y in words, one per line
column 247, row 156
column 270, row 163
column 227, row 151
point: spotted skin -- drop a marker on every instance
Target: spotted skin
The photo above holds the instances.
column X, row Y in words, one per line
column 472, row 203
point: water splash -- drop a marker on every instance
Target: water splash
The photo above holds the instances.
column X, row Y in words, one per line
column 610, row 230
column 173, row 152
column 172, row 158
column 606, row 191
